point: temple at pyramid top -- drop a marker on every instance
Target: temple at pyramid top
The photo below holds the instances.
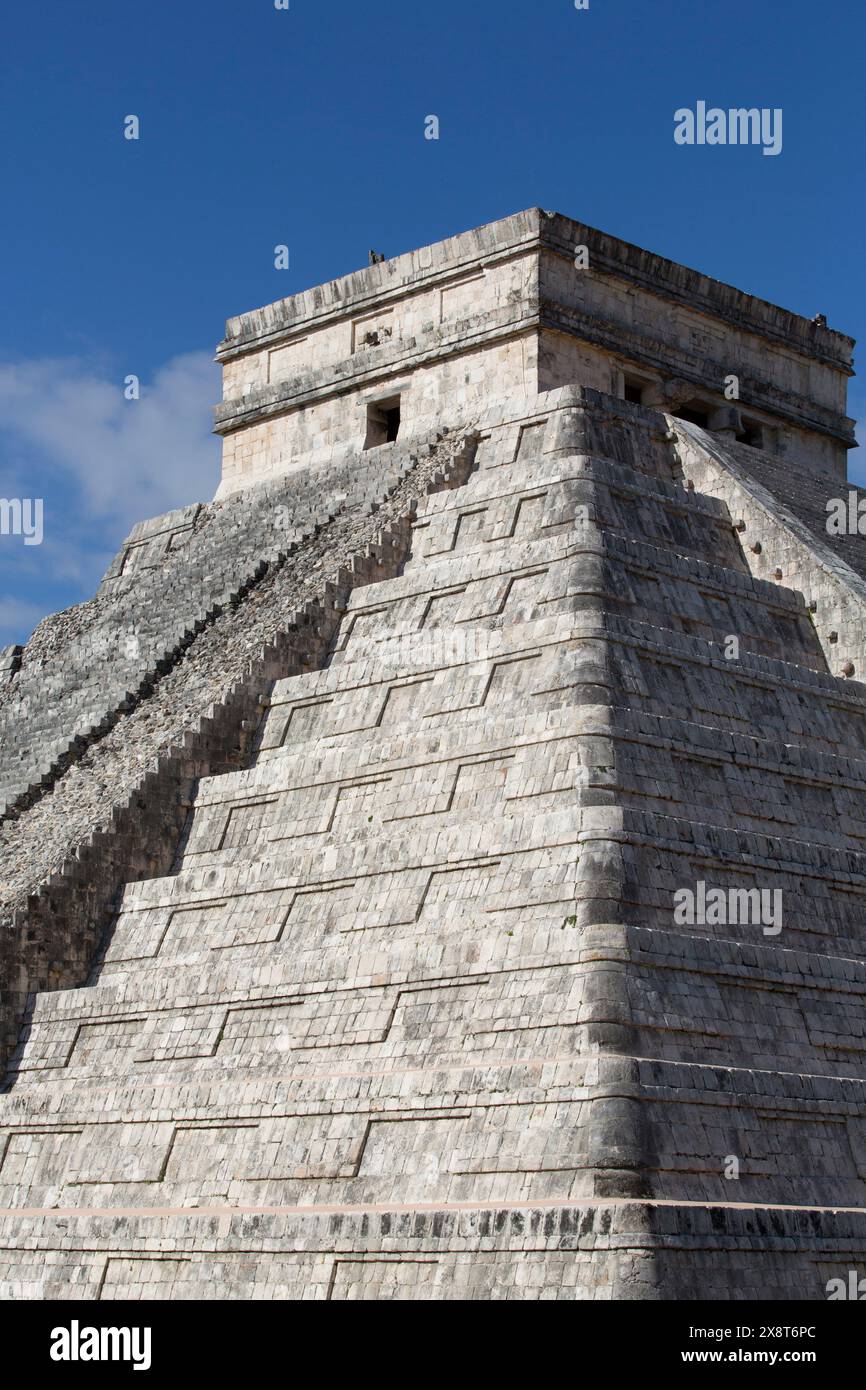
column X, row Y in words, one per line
column 515, row 308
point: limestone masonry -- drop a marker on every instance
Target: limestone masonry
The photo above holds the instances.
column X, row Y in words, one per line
column 343, row 829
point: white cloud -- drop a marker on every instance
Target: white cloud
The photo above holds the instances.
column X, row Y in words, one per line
column 17, row 616
column 100, row 463
column 125, row 460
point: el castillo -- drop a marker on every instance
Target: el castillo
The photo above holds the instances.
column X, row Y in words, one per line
column 435, row 867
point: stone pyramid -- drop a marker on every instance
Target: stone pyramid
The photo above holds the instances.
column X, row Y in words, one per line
column 439, row 868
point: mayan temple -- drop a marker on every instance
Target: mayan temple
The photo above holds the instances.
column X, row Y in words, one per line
column 349, row 832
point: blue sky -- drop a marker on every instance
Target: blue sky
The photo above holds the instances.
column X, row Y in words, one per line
column 306, row 127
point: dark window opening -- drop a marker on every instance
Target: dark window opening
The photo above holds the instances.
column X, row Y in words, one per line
column 753, row 434
column 633, row 390
column 392, row 424
column 383, row 422
column 693, row 415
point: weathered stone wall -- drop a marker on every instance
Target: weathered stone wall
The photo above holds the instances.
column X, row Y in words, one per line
column 411, row 985
column 635, row 310
column 331, row 430
column 115, row 812
column 345, row 826
column 504, row 310
column 782, row 523
column 83, row 668
column 600, row 1251
column 390, row 311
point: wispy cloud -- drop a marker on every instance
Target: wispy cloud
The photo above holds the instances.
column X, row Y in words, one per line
column 129, row 459
column 17, row 615
column 100, row 462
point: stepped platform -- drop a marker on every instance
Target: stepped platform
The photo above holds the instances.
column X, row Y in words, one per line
column 381, row 988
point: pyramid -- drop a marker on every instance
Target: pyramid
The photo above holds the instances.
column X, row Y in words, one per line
column 436, row 868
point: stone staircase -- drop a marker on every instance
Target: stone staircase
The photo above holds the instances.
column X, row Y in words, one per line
column 412, row 1017
column 84, row 668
